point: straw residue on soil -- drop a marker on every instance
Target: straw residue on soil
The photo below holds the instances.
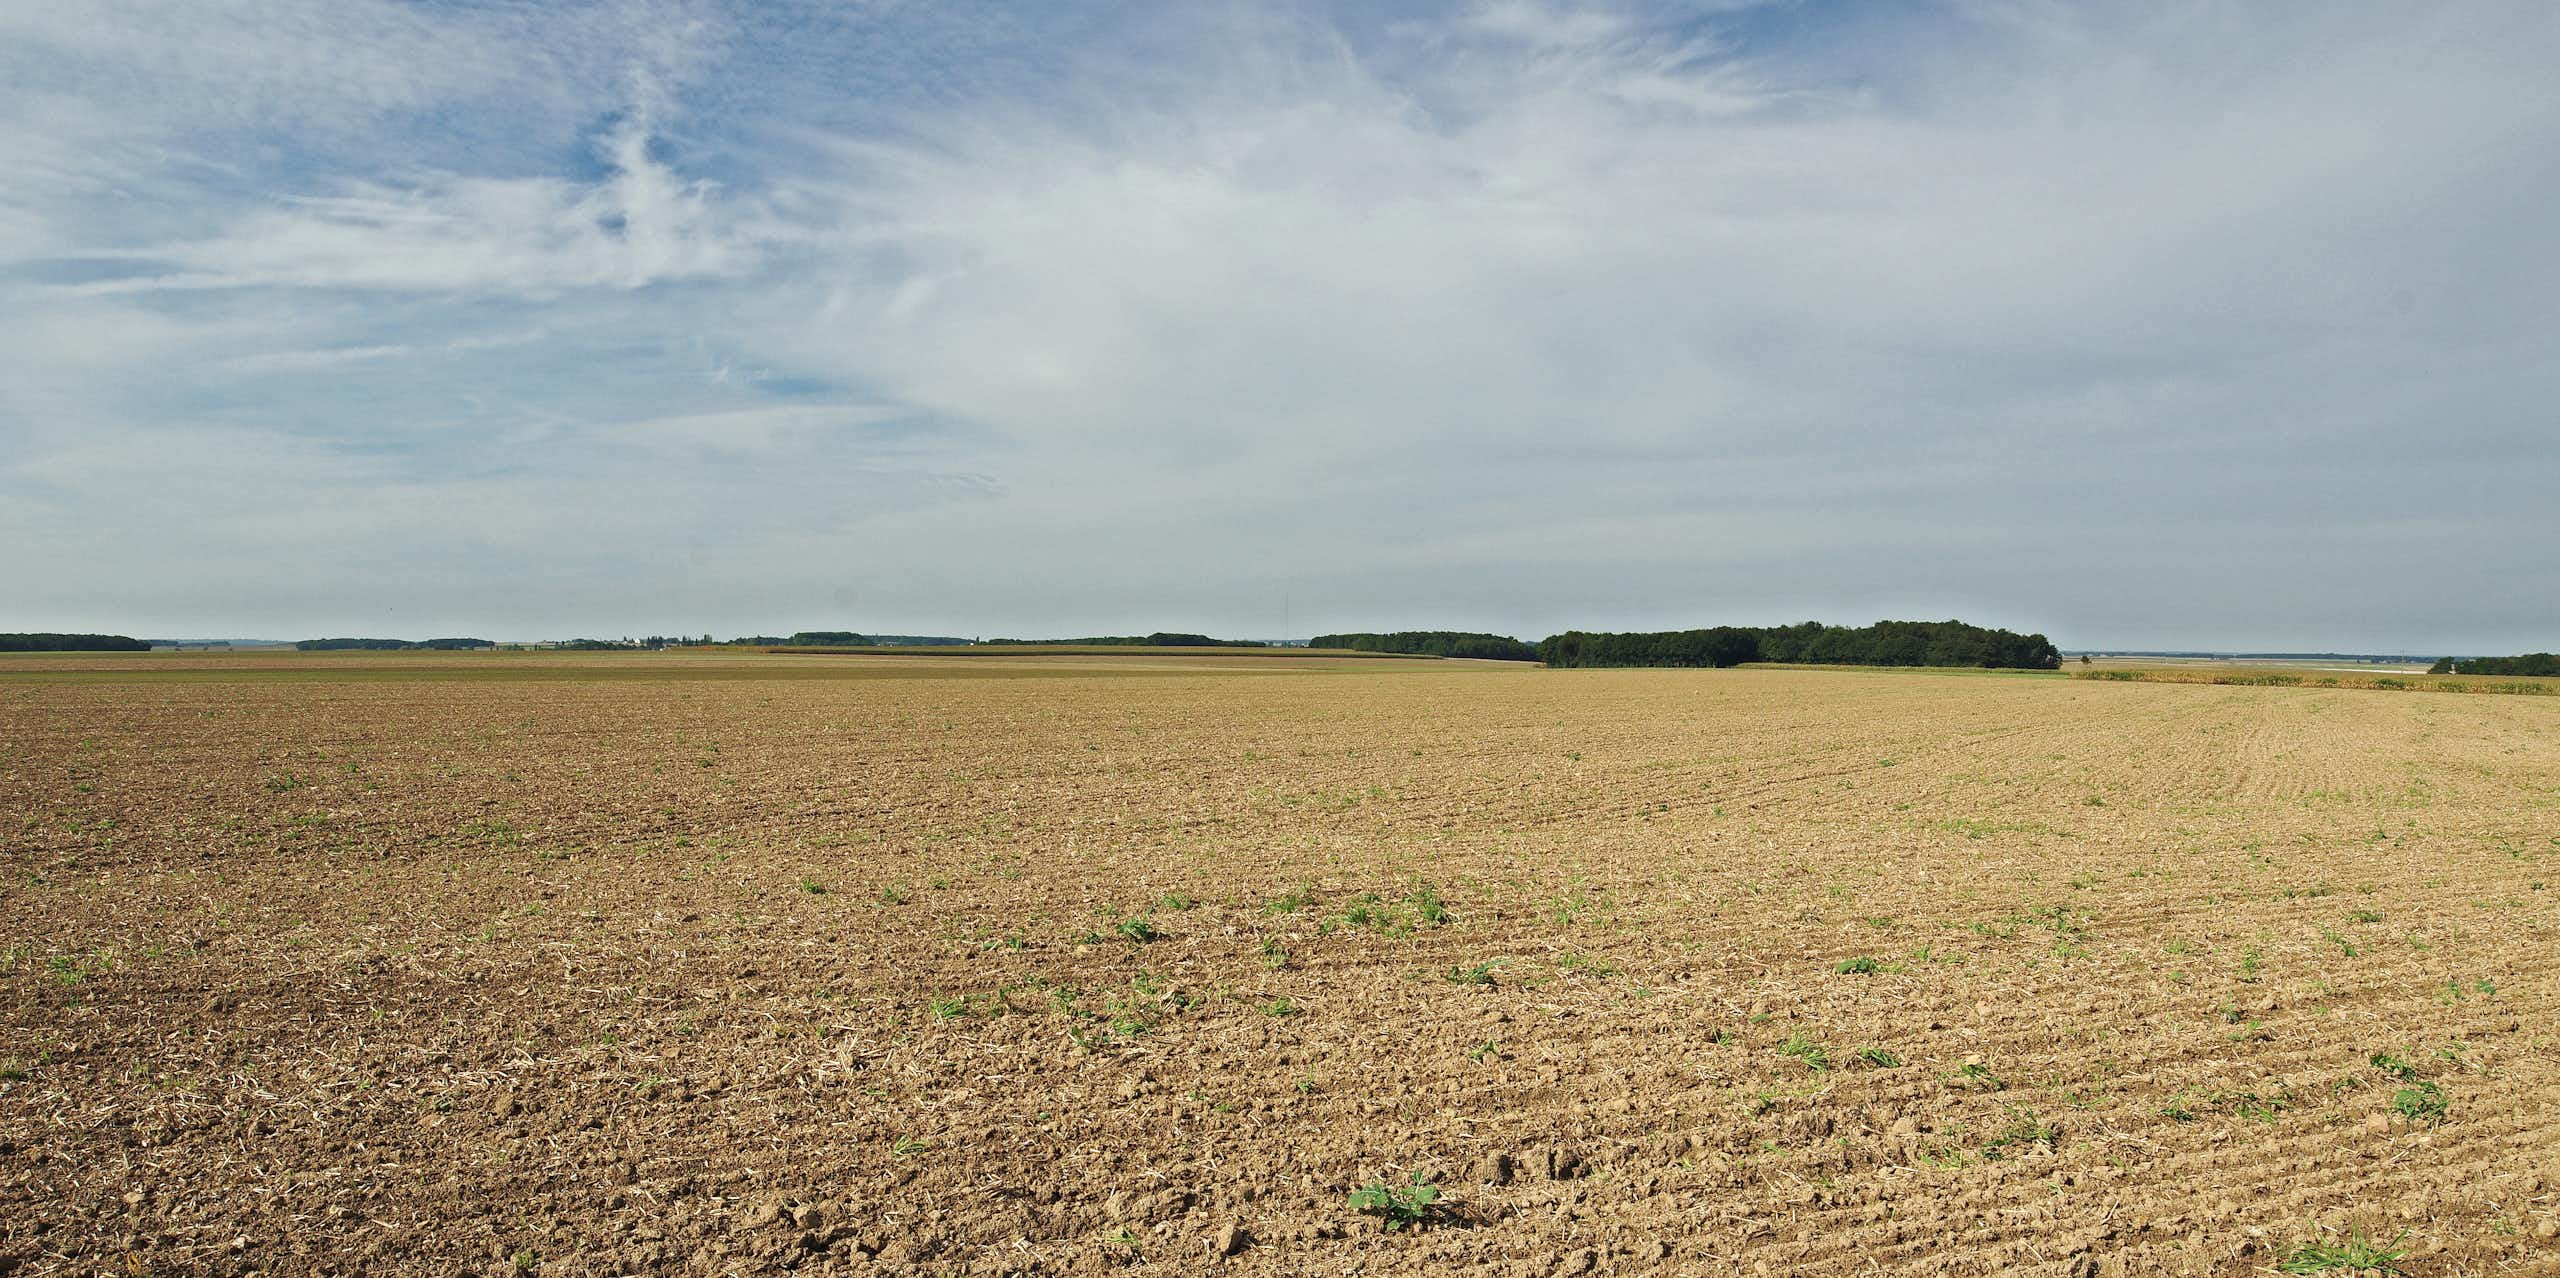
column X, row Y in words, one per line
column 736, row 966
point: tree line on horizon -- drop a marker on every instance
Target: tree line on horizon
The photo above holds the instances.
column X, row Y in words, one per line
column 1886, row 643
column 390, row 645
column 2531, row 664
column 39, row 641
column 1432, row 643
column 1159, row 639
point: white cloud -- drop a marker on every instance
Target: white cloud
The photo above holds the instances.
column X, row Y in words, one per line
column 641, row 225
column 1547, row 26
column 1618, row 308
column 315, row 64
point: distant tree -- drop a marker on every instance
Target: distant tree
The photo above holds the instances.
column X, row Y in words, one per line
column 828, row 639
column 2443, row 665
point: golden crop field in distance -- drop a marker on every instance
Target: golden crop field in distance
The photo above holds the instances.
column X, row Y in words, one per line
column 627, row 962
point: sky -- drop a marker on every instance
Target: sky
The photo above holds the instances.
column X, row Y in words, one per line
column 2179, row 325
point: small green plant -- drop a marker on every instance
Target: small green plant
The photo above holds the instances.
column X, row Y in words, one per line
column 1806, row 1050
column 1174, row 902
column 1428, row 906
column 2354, row 1253
column 812, row 886
column 908, row 1145
column 1860, row 966
column 2263, row 1109
column 1280, row 1007
column 1564, row 909
column 1977, row 1074
column 894, row 894
column 1135, row 929
column 2024, row 1129
column 2421, row 1102
column 1879, row 1057
column 1274, row 955
column 945, row 1009
column 2394, row 1066
column 1485, row 1051
column 1295, row 901
column 1396, row 1206
column 283, row 782
column 1480, row 974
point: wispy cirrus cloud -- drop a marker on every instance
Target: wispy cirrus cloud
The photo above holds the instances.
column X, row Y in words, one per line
column 638, row 225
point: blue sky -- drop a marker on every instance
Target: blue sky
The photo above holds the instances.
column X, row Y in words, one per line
column 2182, row 325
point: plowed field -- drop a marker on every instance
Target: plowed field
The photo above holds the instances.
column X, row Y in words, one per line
column 1062, row 966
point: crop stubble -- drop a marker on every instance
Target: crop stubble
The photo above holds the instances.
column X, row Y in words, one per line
column 887, row 965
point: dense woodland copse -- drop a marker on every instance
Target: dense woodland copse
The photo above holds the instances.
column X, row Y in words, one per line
column 1432, row 643
column 44, row 642
column 1886, row 643
column 2541, row 664
column 1719, row 646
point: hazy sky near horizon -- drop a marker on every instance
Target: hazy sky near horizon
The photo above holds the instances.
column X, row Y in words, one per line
column 2185, row 325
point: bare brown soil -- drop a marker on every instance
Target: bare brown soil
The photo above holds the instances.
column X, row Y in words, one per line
column 1016, row 651
column 642, row 964
column 2310, row 675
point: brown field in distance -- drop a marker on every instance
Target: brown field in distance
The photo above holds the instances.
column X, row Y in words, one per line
column 614, row 963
